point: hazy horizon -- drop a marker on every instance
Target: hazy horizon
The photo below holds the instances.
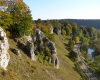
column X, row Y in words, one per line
column 67, row 18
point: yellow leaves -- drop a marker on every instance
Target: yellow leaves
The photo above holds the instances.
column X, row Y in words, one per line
column 2, row 2
column 32, row 27
column 63, row 32
column 77, row 39
column 43, row 27
column 5, row 19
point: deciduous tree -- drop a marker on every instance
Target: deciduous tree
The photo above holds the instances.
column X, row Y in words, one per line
column 22, row 20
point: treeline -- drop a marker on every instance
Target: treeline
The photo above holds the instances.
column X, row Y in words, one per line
column 72, row 29
column 87, row 22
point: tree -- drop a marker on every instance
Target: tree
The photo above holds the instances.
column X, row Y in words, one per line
column 96, row 46
column 96, row 65
column 5, row 20
column 98, row 34
column 56, row 24
column 64, row 23
column 43, row 26
column 2, row 2
column 22, row 20
column 71, row 44
column 68, row 29
column 91, row 31
column 77, row 39
column 73, row 55
column 84, row 29
column 63, row 32
column 80, row 34
column 74, row 28
column 85, row 47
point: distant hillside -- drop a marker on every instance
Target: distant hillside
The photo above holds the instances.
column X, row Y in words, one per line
column 87, row 22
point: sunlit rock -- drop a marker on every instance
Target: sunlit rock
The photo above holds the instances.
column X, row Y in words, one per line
column 30, row 47
column 17, row 52
column 51, row 29
column 4, row 46
column 41, row 42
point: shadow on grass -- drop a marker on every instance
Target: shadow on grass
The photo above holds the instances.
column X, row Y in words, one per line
column 13, row 50
column 67, row 46
column 80, row 71
column 23, row 48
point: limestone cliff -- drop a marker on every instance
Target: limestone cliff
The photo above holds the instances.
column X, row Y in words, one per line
column 4, row 46
column 41, row 43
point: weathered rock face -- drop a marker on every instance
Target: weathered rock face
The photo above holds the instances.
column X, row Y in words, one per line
column 17, row 52
column 57, row 30
column 28, row 41
column 41, row 42
column 30, row 47
column 51, row 29
column 53, row 58
column 4, row 46
column 38, row 35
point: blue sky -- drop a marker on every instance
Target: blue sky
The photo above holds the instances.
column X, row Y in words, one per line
column 62, row 9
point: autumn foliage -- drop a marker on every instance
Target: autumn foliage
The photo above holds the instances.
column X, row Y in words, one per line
column 16, row 19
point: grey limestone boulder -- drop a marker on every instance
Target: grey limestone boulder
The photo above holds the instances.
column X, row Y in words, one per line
column 4, row 46
column 17, row 52
column 51, row 29
column 30, row 47
column 57, row 30
column 38, row 35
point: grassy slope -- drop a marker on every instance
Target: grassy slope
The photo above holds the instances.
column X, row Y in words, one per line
column 66, row 65
column 25, row 69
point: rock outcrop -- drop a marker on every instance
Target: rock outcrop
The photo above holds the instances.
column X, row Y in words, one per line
column 30, row 47
column 4, row 46
column 17, row 52
column 53, row 58
column 41, row 43
column 57, row 30
column 51, row 29
column 27, row 44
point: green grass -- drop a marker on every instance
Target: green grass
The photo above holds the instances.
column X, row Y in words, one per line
column 66, row 65
column 26, row 69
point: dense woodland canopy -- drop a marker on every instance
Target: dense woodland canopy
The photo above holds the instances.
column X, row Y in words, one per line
column 87, row 22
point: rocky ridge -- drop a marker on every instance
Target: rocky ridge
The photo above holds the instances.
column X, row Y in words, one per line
column 37, row 42
column 41, row 43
